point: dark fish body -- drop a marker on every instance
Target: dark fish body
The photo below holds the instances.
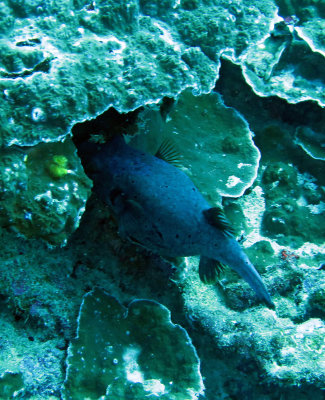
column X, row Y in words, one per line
column 158, row 207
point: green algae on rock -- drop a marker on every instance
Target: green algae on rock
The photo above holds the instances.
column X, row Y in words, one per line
column 39, row 197
column 136, row 352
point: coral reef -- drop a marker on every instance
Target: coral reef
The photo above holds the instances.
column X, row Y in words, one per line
column 294, row 357
column 284, row 65
column 228, row 158
column 43, row 190
column 289, row 61
column 285, row 215
column 10, row 385
column 130, row 353
column 202, row 138
column 309, row 17
column 238, row 87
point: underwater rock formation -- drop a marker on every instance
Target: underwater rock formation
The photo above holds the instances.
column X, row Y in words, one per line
column 285, row 216
column 289, row 61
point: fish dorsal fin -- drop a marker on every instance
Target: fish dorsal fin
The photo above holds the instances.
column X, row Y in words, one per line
column 168, row 153
column 216, row 217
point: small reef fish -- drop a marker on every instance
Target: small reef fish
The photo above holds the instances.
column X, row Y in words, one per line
column 158, row 207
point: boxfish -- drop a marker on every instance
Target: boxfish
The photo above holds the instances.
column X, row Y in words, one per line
column 157, row 206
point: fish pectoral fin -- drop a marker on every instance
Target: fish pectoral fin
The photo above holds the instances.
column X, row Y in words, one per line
column 115, row 195
column 123, row 205
column 216, row 217
column 133, row 240
column 168, row 153
column 210, row 269
column 133, row 207
column 130, row 216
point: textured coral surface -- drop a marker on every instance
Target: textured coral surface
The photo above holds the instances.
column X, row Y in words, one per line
column 139, row 344
column 238, row 87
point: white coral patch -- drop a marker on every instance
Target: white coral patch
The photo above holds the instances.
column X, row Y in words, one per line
column 38, row 115
column 241, row 165
column 167, row 37
column 132, row 368
column 154, row 386
column 233, row 181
